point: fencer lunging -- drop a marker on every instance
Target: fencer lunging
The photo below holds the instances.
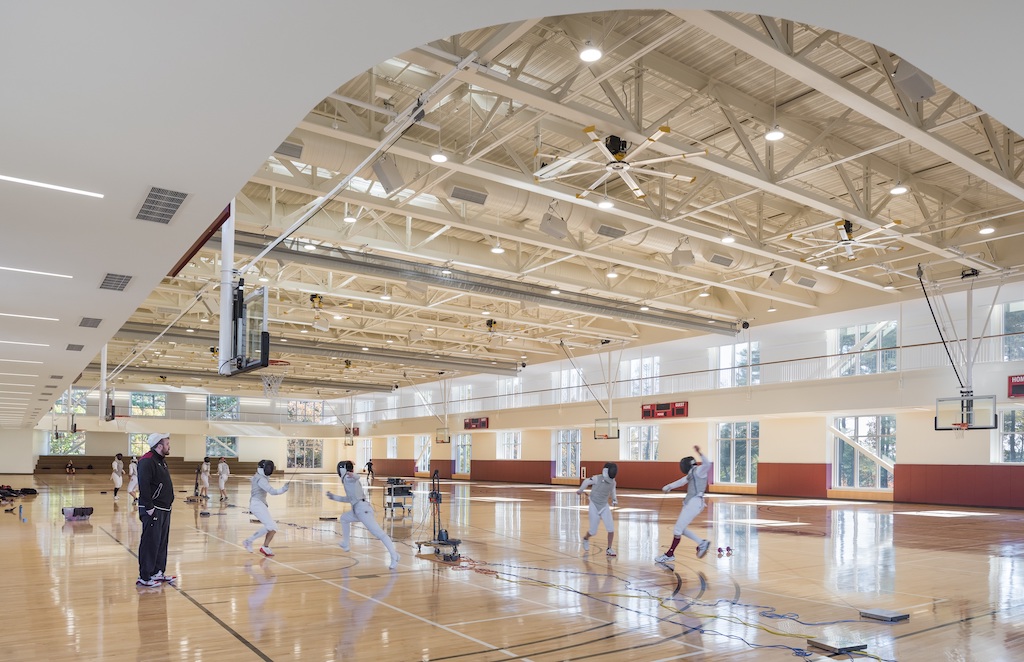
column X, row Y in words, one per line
column 602, row 498
column 695, row 477
column 258, row 506
column 361, row 511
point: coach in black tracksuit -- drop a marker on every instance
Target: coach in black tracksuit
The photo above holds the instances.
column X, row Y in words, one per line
column 155, row 496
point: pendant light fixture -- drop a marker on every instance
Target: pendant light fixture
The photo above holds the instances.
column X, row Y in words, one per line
column 775, row 132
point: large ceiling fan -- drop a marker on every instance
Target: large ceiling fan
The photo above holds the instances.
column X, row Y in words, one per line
column 619, row 160
column 847, row 244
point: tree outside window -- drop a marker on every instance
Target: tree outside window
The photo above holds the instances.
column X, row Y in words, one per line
column 305, row 411
column 567, row 452
column 65, row 443
column 737, row 456
column 1013, row 327
column 1011, row 435
column 148, row 404
column 423, row 447
column 222, row 447
column 138, row 443
column 739, row 364
column 640, row 443
column 872, row 348
column 864, row 446
column 640, row 376
column 305, row 454
column 510, row 445
column 71, row 401
column 222, row 408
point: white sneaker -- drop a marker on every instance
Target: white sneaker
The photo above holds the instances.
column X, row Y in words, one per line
column 665, row 558
column 161, row 577
column 586, row 544
column 248, row 545
column 149, row 583
column 610, row 552
column 116, row 498
column 344, row 547
column 266, row 551
column 702, row 548
column 394, row 562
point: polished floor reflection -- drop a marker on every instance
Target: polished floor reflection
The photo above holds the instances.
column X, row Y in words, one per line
column 524, row 589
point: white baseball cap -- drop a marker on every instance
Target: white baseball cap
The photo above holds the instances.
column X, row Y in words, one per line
column 157, row 437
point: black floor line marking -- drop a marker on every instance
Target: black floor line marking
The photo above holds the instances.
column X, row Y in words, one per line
column 227, row 628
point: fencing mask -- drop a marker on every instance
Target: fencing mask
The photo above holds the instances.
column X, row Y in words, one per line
column 610, row 470
column 344, row 467
column 266, row 467
column 686, row 464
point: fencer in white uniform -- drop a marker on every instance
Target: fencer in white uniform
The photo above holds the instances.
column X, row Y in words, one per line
column 117, row 473
column 361, row 511
column 222, row 478
column 204, row 478
column 133, row 480
column 695, row 478
column 258, row 506
column 602, row 498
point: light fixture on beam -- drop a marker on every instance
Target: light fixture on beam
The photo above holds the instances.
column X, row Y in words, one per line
column 497, row 249
column 728, row 238
column 899, row 188
column 590, row 52
column 348, row 218
column 986, row 229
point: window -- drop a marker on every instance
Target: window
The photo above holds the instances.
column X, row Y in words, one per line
column 567, row 453
column 65, row 443
column 865, row 452
column 1011, row 435
column 1013, row 323
column 71, row 401
column 365, row 452
column 305, row 454
column 423, row 405
column 510, row 392
column 569, row 384
column 463, row 453
column 390, row 412
column 872, row 349
column 305, row 411
column 222, row 447
column 138, row 443
column 640, row 443
column 737, row 452
column 640, row 376
column 148, row 404
column 222, row 407
column 423, row 447
column 462, row 398
column 392, row 448
column 510, row 445
column 739, row 364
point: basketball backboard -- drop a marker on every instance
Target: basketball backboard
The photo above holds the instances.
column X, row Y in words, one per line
column 442, row 436
column 606, row 428
column 250, row 332
column 978, row 412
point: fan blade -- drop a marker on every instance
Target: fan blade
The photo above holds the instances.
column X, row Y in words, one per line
column 600, row 180
column 849, row 250
column 653, row 138
column 631, row 183
column 570, row 174
column 668, row 175
column 843, row 235
column 599, row 144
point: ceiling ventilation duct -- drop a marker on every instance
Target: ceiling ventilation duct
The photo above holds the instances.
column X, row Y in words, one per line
column 466, row 194
column 720, row 256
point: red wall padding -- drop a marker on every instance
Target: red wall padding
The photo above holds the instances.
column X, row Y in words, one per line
column 793, row 480
column 993, row 486
column 396, row 467
column 514, row 471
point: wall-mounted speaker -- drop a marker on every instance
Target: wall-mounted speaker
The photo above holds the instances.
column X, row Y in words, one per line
column 388, row 175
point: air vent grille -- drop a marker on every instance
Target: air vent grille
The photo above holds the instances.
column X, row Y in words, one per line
column 75, row 348
column 721, row 260
column 56, row 376
column 50, row 386
column 806, row 281
column 469, row 195
column 161, row 205
column 290, row 149
column 115, row 282
column 90, row 322
column 609, row 230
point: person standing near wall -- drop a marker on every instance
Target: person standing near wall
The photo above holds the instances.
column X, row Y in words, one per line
column 222, row 478
column 204, row 479
column 117, row 473
column 133, row 480
column 156, row 493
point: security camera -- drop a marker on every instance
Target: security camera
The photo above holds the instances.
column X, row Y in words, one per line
column 523, row 364
column 605, row 341
column 745, row 324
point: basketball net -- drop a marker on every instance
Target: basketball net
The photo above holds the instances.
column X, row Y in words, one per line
column 959, row 429
column 271, row 383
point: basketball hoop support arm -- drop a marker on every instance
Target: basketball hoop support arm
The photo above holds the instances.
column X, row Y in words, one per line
column 227, row 264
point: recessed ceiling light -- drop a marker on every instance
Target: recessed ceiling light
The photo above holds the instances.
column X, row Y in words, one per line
column 556, row 292
column 590, row 52
column 18, row 374
column 986, row 229
column 18, row 342
column 35, row 273
column 54, row 187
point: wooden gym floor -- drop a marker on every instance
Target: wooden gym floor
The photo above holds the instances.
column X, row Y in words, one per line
column 524, row 589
